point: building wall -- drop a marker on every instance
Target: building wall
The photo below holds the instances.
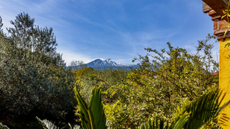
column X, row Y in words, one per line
column 224, row 79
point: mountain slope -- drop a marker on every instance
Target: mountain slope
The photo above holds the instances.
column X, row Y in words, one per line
column 102, row 64
column 106, row 63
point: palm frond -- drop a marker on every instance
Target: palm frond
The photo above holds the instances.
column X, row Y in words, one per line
column 195, row 115
column 179, row 122
column 204, row 109
column 156, row 123
column 160, row 123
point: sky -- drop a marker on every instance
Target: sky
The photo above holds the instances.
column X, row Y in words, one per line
column 115, row 29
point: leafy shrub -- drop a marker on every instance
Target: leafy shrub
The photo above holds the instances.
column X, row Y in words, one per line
column 33, row 76
column 161, row 84
column 91, row 78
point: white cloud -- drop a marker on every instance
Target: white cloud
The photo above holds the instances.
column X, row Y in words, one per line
column 71, row 56
column 6, row 22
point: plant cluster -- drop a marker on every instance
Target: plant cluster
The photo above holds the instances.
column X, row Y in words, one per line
column 172, row 88
column 165, row 80
column 33, row 78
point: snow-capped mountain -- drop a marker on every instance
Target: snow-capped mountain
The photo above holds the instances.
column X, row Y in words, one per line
column 106, row 63
column 102, row 64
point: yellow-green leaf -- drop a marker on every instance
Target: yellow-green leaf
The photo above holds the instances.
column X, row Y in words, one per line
column 92, row 117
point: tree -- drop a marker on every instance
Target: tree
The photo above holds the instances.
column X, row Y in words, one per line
column 165, row 79
column 75, row 65
column 190, row 74
column 199, row 113
column 32, row 74
column 28, row 36
column 1, row 24
column 34, row 42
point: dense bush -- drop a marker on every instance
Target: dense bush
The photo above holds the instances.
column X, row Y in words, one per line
column 163, row 82
column 87, row 78
column 33, row 78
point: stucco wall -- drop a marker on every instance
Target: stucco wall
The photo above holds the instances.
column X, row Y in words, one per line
column 224, row 79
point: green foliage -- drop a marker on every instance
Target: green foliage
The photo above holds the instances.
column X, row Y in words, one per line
column 83, row 72
column 134, row 101
column 92, row 116
column 35, row 82
column 91, row 78
column 160, row 123
column 189, row 74
column 195, row 115
column 29, row 68
column 204, row 109
column 199, row 113
column 162, row 83
column 76, row 65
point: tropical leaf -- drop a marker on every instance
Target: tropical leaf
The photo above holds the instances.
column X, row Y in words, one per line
column 204, row 109
column 96, row 110
column 156, row 123
column 92, row 117
column 160, row 123
column 180, row 121
column 195, row 115
column 83, row 111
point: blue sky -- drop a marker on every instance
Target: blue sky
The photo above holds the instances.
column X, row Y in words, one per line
column 116, row 29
